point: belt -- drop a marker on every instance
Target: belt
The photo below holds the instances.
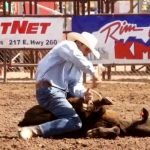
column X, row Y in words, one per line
column 43, row 84
column 46, row 84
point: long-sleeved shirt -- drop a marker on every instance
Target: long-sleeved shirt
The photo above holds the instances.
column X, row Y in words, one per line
column 63, row 66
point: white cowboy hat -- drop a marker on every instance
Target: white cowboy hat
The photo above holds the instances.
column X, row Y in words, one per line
column 87, row 39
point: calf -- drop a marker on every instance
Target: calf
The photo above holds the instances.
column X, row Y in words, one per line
column 97, row 119
column 109, row 118
column 89, row 114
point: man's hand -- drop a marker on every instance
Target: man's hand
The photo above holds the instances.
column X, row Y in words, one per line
column 88, row 96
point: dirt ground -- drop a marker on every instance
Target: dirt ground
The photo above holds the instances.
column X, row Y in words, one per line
column 15, row 99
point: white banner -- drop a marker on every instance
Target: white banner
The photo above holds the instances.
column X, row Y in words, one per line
column 30, row 32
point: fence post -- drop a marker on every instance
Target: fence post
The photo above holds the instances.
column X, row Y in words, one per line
column 109, row 72
column 5, row 65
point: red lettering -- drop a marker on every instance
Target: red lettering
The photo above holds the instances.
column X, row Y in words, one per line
column 109, row 33
column 123, row 51
column 124, row 27
column 140, row 50
column 17, row 27
column 44, row 27
column 24, row 27
column 5, row 27
column 128, row 28
column 32, row 28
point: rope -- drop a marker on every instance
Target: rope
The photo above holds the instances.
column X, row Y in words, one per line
column 95, row 92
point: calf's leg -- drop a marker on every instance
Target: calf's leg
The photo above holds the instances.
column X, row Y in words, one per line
column 104, row 132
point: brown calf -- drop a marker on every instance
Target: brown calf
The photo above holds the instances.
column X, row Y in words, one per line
column 98, row 121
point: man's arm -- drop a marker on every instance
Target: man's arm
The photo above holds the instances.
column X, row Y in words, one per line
column 70, row 52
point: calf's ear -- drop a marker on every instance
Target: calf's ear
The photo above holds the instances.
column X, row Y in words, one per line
column 144, row 114
column 106, row 101
column 103, row 101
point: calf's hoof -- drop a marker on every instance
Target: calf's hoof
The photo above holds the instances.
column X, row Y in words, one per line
column 102, row 132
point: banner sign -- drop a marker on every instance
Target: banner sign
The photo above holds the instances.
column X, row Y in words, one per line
column 30, row 32
column 122, row 39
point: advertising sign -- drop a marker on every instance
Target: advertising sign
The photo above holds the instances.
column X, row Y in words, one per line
column 122, row 39
column 30, row 32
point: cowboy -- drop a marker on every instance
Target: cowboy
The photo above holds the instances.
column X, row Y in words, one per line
column 60, row 72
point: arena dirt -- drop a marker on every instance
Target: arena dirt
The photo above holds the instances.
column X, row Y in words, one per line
column 15, row 99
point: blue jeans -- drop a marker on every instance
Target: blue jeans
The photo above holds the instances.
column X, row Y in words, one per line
column 54, row 100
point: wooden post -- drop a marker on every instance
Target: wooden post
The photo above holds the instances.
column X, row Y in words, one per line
column 109, row 72
column 32, row 61
column 103, row 75
column 5, row 65
column 35, row 7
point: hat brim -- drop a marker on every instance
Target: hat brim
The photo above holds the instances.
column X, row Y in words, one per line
column 73, row 36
